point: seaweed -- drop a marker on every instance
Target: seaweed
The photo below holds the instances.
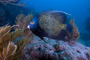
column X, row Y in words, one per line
column 7, row 47
column 22, row 22
column 74, row 35
column 11, row 44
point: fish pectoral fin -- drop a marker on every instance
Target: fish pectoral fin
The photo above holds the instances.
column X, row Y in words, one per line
column 43, row 39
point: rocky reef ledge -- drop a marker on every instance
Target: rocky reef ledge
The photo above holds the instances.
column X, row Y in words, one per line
column 55, row 50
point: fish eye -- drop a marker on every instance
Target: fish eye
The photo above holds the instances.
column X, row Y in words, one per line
column 32, row 22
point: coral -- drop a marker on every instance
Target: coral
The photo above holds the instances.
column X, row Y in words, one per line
column 55, row 50
column 12, row 2
column 74, row 35
column 9, row 51
column 7, row 47
column 4, row 32
column 23, row 22
column 12, row 43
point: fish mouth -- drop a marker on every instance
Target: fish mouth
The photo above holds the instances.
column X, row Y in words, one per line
column 28, row 27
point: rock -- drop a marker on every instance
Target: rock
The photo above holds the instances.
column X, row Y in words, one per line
column 55, row 50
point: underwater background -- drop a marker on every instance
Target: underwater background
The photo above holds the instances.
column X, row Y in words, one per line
column 19, row 43
column 79, row 10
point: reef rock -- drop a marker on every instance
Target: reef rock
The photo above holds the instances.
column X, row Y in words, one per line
column 55, row 50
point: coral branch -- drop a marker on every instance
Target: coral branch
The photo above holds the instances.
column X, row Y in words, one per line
column 12, row 2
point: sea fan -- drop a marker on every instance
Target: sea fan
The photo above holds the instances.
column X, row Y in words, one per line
column 9, row 50
column 74, row 35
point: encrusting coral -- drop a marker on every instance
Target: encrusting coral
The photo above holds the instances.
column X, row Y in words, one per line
column 12, row 42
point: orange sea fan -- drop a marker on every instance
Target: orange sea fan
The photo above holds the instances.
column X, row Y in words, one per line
column 9, row 50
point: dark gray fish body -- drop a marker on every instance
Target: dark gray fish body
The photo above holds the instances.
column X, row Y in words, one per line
column 51, row 24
